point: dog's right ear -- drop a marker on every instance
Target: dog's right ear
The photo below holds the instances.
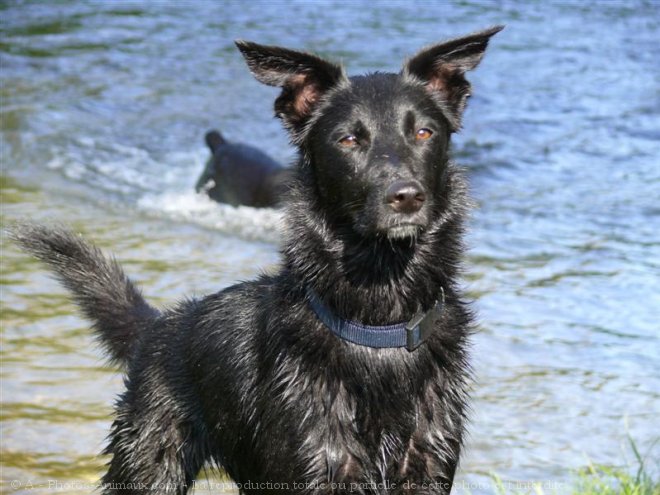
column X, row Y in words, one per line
column 303, row 77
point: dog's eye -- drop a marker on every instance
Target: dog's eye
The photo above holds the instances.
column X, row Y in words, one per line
column 348, row 141
column 423, row 134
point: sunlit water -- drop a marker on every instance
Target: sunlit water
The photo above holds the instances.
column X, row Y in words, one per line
column 104, row 106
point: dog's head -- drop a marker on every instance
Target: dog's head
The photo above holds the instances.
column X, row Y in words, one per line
column 376, row 144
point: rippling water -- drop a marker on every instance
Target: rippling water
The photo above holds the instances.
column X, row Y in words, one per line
column 104, row 105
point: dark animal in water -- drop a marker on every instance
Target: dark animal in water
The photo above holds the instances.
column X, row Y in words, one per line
column 238, row 174
column 347, row 370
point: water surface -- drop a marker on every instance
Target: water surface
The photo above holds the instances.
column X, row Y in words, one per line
column 104, row 107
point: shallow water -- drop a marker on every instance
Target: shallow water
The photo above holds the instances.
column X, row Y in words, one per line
column 104, row 106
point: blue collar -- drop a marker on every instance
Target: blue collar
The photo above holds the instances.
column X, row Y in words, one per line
column 408, row 334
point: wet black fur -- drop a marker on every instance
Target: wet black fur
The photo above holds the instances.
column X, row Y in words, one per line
column 248, row 377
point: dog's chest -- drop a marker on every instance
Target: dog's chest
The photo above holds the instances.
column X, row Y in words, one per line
column 367, row 425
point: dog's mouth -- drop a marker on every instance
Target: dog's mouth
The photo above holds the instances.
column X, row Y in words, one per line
column 391, row 230
column 404, row 231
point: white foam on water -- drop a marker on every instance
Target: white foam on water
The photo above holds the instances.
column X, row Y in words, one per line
column 259, row 224
column 128, row 170
column 161, row 187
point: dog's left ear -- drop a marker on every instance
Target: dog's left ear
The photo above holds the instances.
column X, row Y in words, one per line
column 303, row 77
column 442, row 67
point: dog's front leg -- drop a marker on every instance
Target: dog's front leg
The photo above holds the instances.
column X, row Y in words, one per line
column 155, row 449
column 428, row 470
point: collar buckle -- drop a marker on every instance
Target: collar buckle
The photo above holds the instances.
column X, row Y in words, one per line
column 422, row 324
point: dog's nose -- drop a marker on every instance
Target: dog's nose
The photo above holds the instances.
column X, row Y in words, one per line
column 405, row 196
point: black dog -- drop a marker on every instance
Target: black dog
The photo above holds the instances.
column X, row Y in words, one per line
column 239, row 174
column 306, row 381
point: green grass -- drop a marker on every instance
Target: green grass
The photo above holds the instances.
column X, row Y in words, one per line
column 596, row 479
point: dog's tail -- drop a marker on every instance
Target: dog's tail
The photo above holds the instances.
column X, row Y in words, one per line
column 99, row 286
column 214, row 140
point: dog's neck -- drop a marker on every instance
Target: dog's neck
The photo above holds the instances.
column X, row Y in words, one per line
column 354, row 275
